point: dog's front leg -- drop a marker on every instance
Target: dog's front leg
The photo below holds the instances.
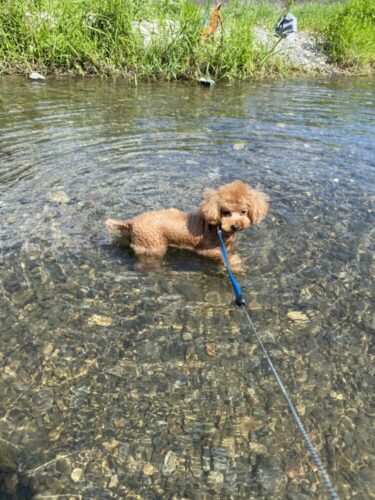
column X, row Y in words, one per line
column 148, row 262
column 235, row 262
column 212, row 253
column 215, row 254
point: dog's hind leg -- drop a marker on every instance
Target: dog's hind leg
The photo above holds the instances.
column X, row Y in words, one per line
column 149, row 253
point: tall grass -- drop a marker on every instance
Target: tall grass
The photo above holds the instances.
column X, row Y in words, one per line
column 104, row 37
column 347, row 27
column 351, row 34
column 316, row 16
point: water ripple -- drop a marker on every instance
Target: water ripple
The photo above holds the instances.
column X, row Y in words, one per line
column 118, row 383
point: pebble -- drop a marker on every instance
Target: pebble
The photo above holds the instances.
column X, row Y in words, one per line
column 294, row 470
column 230, row 445
column 337, row 395
column 54, row 436
column 8, row 455
column 206, row 459
column 301, row 408
column 255, row 305
column 76, row 475
column 119, row 423
column 187, row 336
column 170, row 463
column 258, row 448
column 210, row 349
column 297, row 316
column 215, row 478
column 22, row 298
column 10, row 484
column 58, row 197
column 97, row 319
column 110, row 445
column 148, row 469
column 114, row 481
column 213, row 297
column 248, row 424
column 271, row 477
column 46, row 349
column 38, row 326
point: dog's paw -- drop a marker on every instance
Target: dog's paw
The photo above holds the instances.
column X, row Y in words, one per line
column 235, row 263
column 145, row 265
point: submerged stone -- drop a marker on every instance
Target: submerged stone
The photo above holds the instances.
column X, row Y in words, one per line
column 148, row 469
column 22, row 298
column 170, row 463
column 258, row 448
column 77, row 475
column 58, row 197
column 97, row 319
column 215, row 478
column 113, row 482
column 297, row 316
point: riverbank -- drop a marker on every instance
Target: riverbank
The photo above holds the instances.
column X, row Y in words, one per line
column 163, row 40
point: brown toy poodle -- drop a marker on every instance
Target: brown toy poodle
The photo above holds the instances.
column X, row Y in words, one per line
column 234, row 207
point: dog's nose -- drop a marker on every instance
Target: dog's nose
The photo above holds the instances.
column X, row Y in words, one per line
column 236, row 227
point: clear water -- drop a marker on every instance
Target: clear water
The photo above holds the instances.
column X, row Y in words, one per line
column 121, row 384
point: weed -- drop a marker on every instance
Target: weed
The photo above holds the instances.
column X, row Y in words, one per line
column 149, row 39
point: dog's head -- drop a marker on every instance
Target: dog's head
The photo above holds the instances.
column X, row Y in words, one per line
column 234, row 206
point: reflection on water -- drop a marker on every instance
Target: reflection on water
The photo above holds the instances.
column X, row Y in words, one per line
column 117, row 384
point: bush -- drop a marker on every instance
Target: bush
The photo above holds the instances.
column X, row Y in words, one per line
column 351, row 35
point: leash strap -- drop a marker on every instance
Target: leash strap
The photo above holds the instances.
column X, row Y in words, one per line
column 240, row 301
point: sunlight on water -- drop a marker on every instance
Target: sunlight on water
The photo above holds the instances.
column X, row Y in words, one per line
column 120, row 384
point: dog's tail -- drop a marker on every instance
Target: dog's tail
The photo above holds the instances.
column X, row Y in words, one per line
column 119, row 227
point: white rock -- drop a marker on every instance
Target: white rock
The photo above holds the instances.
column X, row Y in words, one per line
column 36, row 77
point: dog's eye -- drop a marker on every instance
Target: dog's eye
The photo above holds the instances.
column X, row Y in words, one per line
column 225, row 213
column 243, row 212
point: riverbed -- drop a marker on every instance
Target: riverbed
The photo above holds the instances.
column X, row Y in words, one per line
column 119, row 383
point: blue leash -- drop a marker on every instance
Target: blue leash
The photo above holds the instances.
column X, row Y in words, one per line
column 240, row 301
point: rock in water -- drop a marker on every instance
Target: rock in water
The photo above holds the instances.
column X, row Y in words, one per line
column 36, row 77
column 170, row 463
column 206, row 81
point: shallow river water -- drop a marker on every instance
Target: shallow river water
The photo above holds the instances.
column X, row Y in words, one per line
column 116, row 383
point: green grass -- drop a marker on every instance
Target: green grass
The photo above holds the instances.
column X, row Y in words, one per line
column 347, row 27
column 314, row 16
column 351, row 34
column 98, row 37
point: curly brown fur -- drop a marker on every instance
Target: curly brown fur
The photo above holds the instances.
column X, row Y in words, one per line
column 234, row 207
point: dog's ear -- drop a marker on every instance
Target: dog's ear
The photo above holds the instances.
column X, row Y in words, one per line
column 257, row 205
column 210, row 206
